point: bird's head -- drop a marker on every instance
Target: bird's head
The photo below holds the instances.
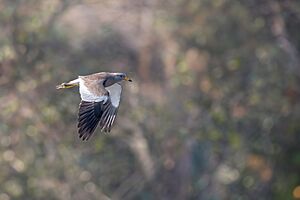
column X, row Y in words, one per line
column 113, row 78
column 121, row 76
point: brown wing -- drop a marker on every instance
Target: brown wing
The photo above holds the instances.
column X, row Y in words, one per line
column 93, row 113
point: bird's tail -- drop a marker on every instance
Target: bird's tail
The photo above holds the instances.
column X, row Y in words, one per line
column 68, row 85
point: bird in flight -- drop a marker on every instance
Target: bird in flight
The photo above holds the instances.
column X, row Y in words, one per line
column 100, row 98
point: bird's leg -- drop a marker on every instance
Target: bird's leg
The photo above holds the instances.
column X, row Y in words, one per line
column 68, row 85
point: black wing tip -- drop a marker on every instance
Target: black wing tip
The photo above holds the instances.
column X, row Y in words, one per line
column 84, row 137
column 105, row 130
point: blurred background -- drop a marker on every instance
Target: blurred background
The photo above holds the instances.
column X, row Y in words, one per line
column 213, row 112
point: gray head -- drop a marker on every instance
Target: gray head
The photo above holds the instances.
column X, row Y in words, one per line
column 113, row 78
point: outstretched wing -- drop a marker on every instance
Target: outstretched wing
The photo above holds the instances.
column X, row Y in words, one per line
column 110, row 112
column 88, row 118
column 115, row 91
column 100, row 108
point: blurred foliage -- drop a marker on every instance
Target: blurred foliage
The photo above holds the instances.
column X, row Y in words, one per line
column 213, row 112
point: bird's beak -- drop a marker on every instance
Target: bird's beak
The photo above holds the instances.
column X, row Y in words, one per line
column 127, row 79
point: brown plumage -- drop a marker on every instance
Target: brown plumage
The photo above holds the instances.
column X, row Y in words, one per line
column 100, row 96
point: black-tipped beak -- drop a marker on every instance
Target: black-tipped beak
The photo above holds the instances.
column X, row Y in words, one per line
column 127, row 79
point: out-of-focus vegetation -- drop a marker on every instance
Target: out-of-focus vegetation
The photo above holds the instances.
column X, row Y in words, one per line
column 213, row 112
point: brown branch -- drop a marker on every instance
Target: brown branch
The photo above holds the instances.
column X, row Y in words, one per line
column 278, row 28
column 130, row 187
column 139, row 146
